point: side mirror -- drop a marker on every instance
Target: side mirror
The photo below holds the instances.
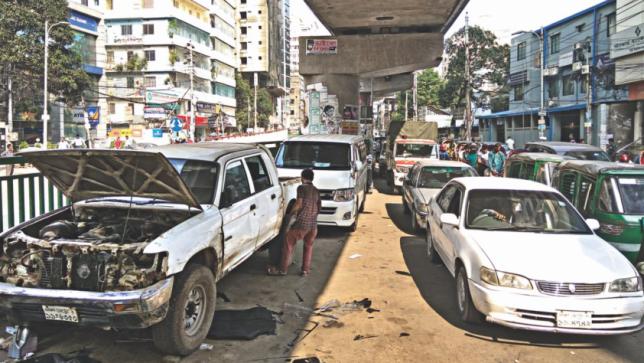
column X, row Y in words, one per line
column 592, row 224
column 449, row 219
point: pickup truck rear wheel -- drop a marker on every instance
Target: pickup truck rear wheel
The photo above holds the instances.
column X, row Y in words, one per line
column 190, row 314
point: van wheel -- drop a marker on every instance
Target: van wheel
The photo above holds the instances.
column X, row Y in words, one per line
column 190, row 314
column 354, row 226
column 466, row 308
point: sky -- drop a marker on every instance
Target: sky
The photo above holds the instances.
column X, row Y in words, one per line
column 502, row 17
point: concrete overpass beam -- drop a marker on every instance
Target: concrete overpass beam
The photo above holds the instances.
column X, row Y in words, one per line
column 388, row 84
column 345, row 86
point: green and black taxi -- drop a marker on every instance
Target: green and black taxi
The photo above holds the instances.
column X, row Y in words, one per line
column 612, row 193
column 535, row 166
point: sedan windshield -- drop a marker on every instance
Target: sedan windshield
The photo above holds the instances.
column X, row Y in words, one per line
column 523, row 211
column 436, row 177
column 588, row 155
column 316, row 155
column 413, row 150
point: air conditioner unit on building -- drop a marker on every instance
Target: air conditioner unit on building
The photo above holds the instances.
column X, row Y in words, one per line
column 576, row 67
column 552, row 103
column 551, row 71
column 579, row 45
column 585, row 69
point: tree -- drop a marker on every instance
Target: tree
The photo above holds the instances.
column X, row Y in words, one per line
column 22, row 32
column 245, row 96
column 489, row 66
column 429, row 85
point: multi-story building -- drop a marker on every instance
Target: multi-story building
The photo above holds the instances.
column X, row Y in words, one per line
column 264, row 45
column 582, row 101
column 162, row 57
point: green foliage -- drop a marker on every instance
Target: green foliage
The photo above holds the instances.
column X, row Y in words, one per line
column 23, row 145
column 136, row 64
column 173, row 56
column 429, row 85
column 489, row 66
column 245, row 95
column 22, row 29
column 172, row 27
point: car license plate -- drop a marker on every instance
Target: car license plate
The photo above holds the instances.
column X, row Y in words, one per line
column 60, row 313
column 574, row 319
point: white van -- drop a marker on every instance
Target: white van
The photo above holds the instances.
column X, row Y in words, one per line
column 340, row 166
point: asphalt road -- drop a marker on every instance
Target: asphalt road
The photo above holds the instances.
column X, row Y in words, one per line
column 415, row 317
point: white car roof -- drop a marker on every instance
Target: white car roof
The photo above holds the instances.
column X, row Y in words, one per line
column 502, row 184
column 343, row 139
column 446, row 163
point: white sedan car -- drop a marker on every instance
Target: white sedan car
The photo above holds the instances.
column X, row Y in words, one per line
column 524, row 257
column 425, row 179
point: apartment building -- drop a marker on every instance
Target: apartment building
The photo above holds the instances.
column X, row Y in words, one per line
column 163, row 56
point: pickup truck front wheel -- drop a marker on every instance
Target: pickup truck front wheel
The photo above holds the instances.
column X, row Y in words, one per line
column 190, row 314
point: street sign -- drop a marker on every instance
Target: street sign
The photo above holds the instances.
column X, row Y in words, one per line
column 176, row 124
column 93, row 116
column 157, row 133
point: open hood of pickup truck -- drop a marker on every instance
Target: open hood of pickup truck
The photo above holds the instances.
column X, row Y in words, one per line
column 88, row 173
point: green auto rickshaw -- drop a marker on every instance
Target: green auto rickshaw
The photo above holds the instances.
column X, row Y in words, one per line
column 533, row 166
column 612, row 193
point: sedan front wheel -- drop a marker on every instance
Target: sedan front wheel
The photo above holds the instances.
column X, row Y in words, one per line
column 466, row 307
column 431, row 249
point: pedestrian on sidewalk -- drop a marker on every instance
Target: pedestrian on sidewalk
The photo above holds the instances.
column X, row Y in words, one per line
column 306, row 209
column 8, row 153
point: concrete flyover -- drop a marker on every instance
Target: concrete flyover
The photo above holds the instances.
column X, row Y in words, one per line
column 382, row 40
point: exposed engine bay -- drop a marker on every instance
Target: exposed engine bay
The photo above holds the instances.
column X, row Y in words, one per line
column 89, row 248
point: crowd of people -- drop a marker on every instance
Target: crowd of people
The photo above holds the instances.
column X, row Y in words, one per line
column 487, row 159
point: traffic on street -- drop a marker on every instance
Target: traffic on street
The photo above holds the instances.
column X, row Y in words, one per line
column 278, row 181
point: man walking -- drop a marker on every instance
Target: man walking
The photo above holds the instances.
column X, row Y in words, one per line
column 497, row 160
column 306, row 209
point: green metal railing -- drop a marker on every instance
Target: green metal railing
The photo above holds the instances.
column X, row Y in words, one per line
column 25, row 196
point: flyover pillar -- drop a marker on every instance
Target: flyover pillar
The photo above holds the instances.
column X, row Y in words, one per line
column 346, row 87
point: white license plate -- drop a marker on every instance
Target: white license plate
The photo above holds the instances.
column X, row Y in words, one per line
column 60, row 313
column 574, row 319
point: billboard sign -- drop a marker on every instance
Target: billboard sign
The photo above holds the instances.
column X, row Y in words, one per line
column 321, row 46
column 93, row 115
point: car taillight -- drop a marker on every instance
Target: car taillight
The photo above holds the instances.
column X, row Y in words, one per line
column 611, row 229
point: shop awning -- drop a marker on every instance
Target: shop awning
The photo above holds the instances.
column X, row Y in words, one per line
column 510, row 113
column 579, row 106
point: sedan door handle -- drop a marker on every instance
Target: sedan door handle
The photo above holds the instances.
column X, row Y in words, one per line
column 253, row 207
column 273, row 196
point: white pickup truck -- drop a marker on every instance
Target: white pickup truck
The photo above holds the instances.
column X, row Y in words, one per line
column 146, row 238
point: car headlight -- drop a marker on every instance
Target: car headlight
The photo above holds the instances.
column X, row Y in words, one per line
column 504, row 279
column 343, row 195
column 630, row 284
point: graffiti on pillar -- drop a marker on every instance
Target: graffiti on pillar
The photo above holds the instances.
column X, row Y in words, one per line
column 331, row 117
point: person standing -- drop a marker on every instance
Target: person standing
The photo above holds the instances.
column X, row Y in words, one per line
column 63, row 144
column 483, row 157
column 306, row 209
column 611, row 149
column 129, row 143
column 497, row 160
column 78, row 143
column 118, row 143
column 471, row 157
column 8, row 153
column 510, row 142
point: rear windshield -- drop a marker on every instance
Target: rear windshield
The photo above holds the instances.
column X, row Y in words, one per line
column 588, row 155
column 631, row 191
column 316, row 155
column 435, row 177
column 413, row 150
column 199, row 176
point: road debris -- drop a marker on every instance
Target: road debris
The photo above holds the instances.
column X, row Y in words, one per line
column 333, row 324
column 363, row 337
column 307, row 360
column 355, row 255
column 372, row 310
column 205, row 346
column 404, row 273
column 243, row 324
column 75, row 357
column 299, row 297
column 404, row 334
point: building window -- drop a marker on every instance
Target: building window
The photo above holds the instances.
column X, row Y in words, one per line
column 130, row 55
column 110, row 5
column 244, row 60
column 126, row 29
column 553, row 88
column 518, row 92
column 130, row 109
column 224, row 90
column 244, row 30
column 244, row 45
column 521, row 47
column 568, row 86
column 148, row 4
column 243, row 15
column 111, row 108
column 148, row 29
column 583, row 85
column 129, row 82
column 85, row 2
column 611, row 24
column 110, row 57
column 150, row 55
column 292, row 112
column 554, row 43
column 150, row 82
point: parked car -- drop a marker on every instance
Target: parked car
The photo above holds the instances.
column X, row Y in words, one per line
column 145, row 240
column 612, row 193
column 424, row 181
column 577, row 151
column 524, row 257
column 533, row 166
column 341, row 168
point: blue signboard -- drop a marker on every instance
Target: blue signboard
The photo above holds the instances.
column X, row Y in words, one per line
column 157, row 133
column 93, row 115
column 83, row 21
column 176, row 124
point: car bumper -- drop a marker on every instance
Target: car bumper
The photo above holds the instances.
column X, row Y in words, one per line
column 340, row 214
column 134, row 309
column 610, row 316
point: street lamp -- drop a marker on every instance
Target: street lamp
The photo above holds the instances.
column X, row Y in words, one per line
column 542, row 110
column 45, row 113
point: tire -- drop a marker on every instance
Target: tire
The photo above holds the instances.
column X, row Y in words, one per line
column 466, row 308
column 431, row 250
column 193, row 289
column 354, row 227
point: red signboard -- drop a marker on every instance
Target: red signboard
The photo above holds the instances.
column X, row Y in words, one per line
column 200, row 121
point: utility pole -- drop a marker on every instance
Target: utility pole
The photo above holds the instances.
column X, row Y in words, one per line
column 406, row 105
column 255, row 81
column 9, row 107
column 589, row 107
column 45, row 112
column 192, row 92
column 468, row 102
column 415, row 96
column 542, row 110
